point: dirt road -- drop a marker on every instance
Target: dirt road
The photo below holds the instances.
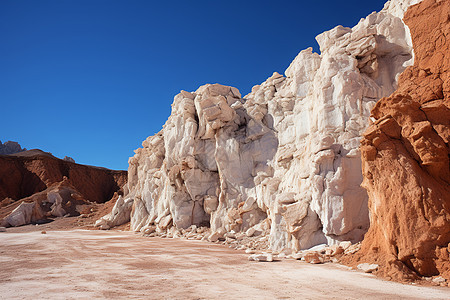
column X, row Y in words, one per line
column 82, row 264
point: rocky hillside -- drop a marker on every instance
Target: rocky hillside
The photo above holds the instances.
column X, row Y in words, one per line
column 25, row 174
column 283, row 161
column 405, row 155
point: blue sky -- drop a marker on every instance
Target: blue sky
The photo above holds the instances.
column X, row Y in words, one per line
column 91, row 79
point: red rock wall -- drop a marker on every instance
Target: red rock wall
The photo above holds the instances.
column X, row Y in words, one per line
column 22, row 176
column 405, row 157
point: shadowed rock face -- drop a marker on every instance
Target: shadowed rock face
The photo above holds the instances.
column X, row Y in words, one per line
column 10, row 148
column 29, row 172
column 405, row 156
column 283, row 160
column 58, row 200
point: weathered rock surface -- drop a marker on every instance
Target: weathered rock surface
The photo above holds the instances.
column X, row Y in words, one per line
column 28, row 172
column 283, row 161
column 58, row 200
column 10, row 147
column 263, row 257
column 68, row 158
column 405, row 155
column 367, row 268
column 119, row 215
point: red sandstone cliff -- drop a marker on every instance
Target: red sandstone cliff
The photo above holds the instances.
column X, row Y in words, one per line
column 405, row 156
column 29, row 172
column 38, row 187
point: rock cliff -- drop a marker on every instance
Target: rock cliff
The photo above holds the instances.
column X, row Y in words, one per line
column 25, row 173
column 405, row 155
column 283, row 160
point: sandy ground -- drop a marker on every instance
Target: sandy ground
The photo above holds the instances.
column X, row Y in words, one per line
column 86, row 264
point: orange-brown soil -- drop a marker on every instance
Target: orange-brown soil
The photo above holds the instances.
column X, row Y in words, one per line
column 405, row 156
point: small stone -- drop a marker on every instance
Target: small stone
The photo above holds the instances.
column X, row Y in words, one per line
column 318, row 248
column 43, row 232
column 149, row 229
column 335, row 250
column 344, row 245
column 100, row 222
column 367, row 268
column 313, row 258
column 214, row 237
column 250, row 232
column 353, row 249
column 250, row 251
column 231, row 235
column 438, row 280
column 104, row 227
column 297, row 256
column 263, row 257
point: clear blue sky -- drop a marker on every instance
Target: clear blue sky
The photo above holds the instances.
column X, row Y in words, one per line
column 91, row 79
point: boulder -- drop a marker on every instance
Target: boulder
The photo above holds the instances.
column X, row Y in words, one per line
column 119, row 215
column 367, row 268
column 263, row 257
column 313, row 258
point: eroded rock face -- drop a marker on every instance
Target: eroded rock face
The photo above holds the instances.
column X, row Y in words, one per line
column 10, row 147
column 405, row 157
column 28, row 172
column 58, row 200
column 283, row 159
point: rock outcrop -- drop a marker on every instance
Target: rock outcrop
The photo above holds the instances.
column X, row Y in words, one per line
column 10, row 147
column 405, row 155
column 59, row 200
column 68, row 158
column 37, row 187
column 25, row 173
column 283, row 160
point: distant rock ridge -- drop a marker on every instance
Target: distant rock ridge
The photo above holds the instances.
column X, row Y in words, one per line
column 284, row 160
column 58, row 200
column 28, row 172
column 37, row 187
column 10, row 147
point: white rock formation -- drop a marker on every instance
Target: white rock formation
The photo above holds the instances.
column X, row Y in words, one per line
column 119, row 215
column 21, row 215
column 283, row 160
